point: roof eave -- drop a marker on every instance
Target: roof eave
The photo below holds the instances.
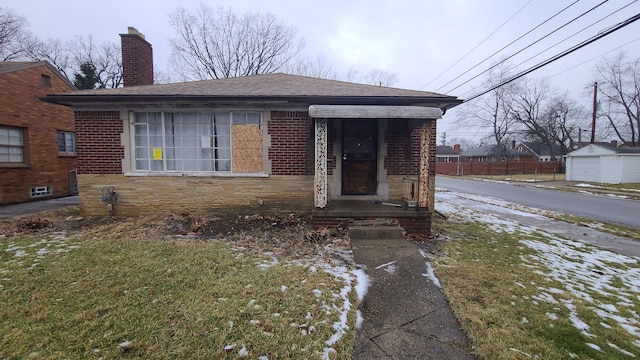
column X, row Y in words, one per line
column 444, row 102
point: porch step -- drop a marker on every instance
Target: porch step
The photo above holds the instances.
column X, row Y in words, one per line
column 375, row 232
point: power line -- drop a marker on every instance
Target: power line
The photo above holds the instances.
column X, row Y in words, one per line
column 599, row 36
column 552, row 46
column 475, row 47
column 528, row 46
column 509, row 44
column 593, row 58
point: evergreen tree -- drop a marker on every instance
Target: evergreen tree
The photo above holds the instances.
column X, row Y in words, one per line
column 87, row 78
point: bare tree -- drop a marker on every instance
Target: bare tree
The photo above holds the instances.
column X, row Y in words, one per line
column 619, row 89
column 105, row 58
column 216, row 43
column 12, row 28
column 316, row 67
column 491, row 111
column 545, row 116
column 55, row 51
column 380, row 77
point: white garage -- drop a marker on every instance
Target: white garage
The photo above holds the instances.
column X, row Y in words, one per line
column 603, row 164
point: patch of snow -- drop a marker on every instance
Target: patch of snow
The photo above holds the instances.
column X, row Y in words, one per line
column 243, row 352
column 625, row 352
column 316, row 292
column 385, row 265
column 431, row 275
column 326, row 353
column 283, row 288
column 594, row 347
column 552, row 316
column 362, row 283
column 391, row 269
column 585, row 185
column 125, row 344
column 20, row 253
column 359, row 319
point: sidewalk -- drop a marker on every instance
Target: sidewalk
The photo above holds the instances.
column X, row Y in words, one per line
column 406, row 316
column 32, row 207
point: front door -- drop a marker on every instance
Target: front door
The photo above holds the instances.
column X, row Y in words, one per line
column 359, row 157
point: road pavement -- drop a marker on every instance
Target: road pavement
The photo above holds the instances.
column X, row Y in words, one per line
column 597, row 207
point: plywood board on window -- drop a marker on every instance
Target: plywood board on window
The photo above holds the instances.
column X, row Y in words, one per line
column 246, row 142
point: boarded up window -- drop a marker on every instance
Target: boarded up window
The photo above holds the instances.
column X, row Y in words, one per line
column 247, row 148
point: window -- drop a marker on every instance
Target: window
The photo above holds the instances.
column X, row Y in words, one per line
column 66, row 142
column 186, row 141
column 46, row 81
column 11, row 144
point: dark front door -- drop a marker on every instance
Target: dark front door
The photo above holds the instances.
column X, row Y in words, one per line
column 359, row 160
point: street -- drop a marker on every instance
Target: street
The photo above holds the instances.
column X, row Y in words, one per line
column 606, row 209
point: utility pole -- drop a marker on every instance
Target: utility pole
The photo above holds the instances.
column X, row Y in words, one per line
column 595, row 108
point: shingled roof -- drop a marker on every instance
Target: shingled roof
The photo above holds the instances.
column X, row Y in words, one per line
column 267, row 87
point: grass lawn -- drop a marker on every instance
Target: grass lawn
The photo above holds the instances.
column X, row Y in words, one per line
column 524, row 293
column 174, row 287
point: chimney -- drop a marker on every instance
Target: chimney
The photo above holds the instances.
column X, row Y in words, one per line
column 137, row 59
column 456, row 148
column 614, row 143
column 513, row 144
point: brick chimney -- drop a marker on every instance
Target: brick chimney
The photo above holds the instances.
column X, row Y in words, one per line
column 614, row 143
column 456, row 148
column 137, row 59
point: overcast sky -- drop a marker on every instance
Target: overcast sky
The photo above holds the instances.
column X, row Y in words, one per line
column 416, row 39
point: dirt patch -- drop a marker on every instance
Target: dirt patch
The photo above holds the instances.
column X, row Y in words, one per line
column 289, row 235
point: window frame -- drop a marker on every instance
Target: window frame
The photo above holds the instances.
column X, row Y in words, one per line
column 235, row 117
column 23, row 136
column 65, row 150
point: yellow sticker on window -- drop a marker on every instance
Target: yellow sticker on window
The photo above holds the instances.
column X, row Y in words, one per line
column 157, row 154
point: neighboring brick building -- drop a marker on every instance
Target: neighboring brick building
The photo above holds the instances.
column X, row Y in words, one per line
column 37, row 141
column 268, row 143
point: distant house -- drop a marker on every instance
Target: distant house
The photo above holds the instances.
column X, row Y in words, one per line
column 494, row 153
column 269, row 143
column 542, row 151
column 37, row 139
column 604, row 164
column 447, row 154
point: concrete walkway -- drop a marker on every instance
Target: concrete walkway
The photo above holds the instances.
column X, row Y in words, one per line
column 32, row 207
column 406, row 316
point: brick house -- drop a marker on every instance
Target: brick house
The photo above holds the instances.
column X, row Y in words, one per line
column 262, row 143
column 37, row 144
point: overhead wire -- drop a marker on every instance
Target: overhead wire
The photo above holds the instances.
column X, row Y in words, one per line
column 477, row 46
column 526, row 47
column 552, row 46
column 598, row 36
column 509, row 44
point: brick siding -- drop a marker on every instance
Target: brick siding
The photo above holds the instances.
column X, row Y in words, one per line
column 98, row 142
column 137, row 60
column 20, row 106
column 292, row 149
column 403, row 147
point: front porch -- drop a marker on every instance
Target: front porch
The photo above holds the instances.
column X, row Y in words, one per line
column 343, row 213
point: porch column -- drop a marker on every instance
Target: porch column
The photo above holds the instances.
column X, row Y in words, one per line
column 425, row 200
column 320, row 179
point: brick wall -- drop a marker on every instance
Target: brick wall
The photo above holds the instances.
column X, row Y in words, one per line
column 137, row 59
column 403, row 147
column 292, row 146
column 20, row 106
column 98, row 142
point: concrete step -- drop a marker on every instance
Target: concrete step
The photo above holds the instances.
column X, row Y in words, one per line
column 376, row 232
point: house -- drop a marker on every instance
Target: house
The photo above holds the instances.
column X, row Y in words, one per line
column 604, row 164
column 268, row 143
column 447, row 154
column 494, row 153
column 37, row 144
column 542, row 151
